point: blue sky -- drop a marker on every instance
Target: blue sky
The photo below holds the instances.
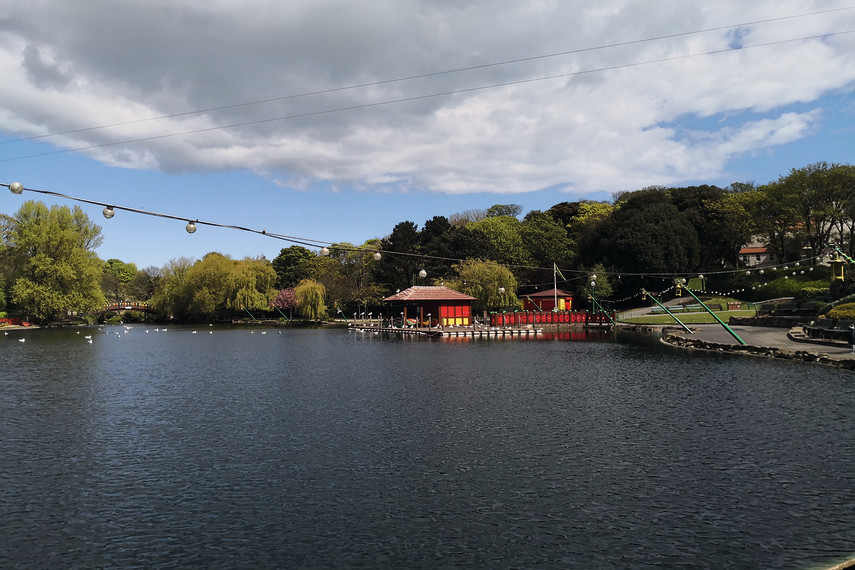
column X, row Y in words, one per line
column 609, row 119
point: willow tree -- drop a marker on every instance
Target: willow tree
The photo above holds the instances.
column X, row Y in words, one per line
column 251, row 284
column 53, row 261
column 310, row 299
column 492, row 285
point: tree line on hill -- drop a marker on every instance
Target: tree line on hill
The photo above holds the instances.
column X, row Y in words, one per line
column 50, row 269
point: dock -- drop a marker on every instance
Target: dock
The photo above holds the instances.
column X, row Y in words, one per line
column 471, row 332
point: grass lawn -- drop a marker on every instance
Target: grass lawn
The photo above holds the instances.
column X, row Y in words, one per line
column 686, row 318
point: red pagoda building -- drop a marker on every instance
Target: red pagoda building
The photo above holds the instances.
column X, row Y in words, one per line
column 433, row 306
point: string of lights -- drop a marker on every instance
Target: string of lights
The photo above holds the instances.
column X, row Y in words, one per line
column 326, row 247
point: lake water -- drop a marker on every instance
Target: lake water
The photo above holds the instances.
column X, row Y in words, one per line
column 331, row 448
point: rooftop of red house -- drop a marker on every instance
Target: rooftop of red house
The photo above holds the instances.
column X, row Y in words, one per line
column 429, row 293
column 748, row 250
column 550, row 293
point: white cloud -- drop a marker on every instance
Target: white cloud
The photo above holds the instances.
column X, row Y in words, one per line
column 91, row 64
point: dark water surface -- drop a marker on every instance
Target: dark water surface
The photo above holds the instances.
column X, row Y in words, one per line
column 328, row 448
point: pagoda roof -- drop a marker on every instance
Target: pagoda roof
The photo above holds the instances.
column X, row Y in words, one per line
column 549, row 293
column 429, row 293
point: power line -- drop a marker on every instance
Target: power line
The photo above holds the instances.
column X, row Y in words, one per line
column 416, row 97
column 427, row 75
column 17, row 188
column 432, row 74
column 427, row 96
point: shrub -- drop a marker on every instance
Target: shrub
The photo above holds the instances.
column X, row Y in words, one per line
column 810, row 292
column 845, row 312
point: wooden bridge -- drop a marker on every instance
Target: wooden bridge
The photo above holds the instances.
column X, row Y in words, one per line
column 126, row 306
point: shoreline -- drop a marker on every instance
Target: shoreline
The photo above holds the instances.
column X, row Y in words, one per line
column 766, row 342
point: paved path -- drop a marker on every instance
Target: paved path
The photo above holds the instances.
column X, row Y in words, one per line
column 767, row 337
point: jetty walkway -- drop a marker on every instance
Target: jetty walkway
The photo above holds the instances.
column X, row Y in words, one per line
column 471, row 331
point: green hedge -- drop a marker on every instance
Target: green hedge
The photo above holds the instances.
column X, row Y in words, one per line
column 845, row 311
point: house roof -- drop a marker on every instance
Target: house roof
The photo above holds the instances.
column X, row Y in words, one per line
column 429, row 293
column 550, row 293
column 749, row 250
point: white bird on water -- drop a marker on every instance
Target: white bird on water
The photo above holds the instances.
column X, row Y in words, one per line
column 88, row 337
column 22, row 340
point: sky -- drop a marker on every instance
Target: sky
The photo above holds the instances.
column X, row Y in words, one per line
column 333, row 121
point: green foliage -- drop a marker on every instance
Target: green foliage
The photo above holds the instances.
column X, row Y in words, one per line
column 786, row 287
column 55, row 267
column 485, row 280
column 251, row 284
column 292, row 265
column 145, row 282
column 844, row 311
column 310, row 300
column 115, row 279
column 207, row 283
column 172, row 297
column 214, row 287
column 399, row 271
column 505, row 234
column 512, row 210
column 546, row 243
column 646, row 234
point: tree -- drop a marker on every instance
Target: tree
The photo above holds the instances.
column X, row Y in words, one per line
column 504, row 232
column 546, row 242
column 56, row 269
column 399, row 271
column 116, row 279
column 464, row 218
column 310, row 300
column 492, row 285
column 285, row 300
column 603, row 286
column 731, row 227
column 207, row 284
column 512, row 210
column 815, row 199
column 292, row 265
column 145, row 282
column 251, row 284
column 350, row 281
column 646, row 234
column 578, row 218
column 172, row 297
